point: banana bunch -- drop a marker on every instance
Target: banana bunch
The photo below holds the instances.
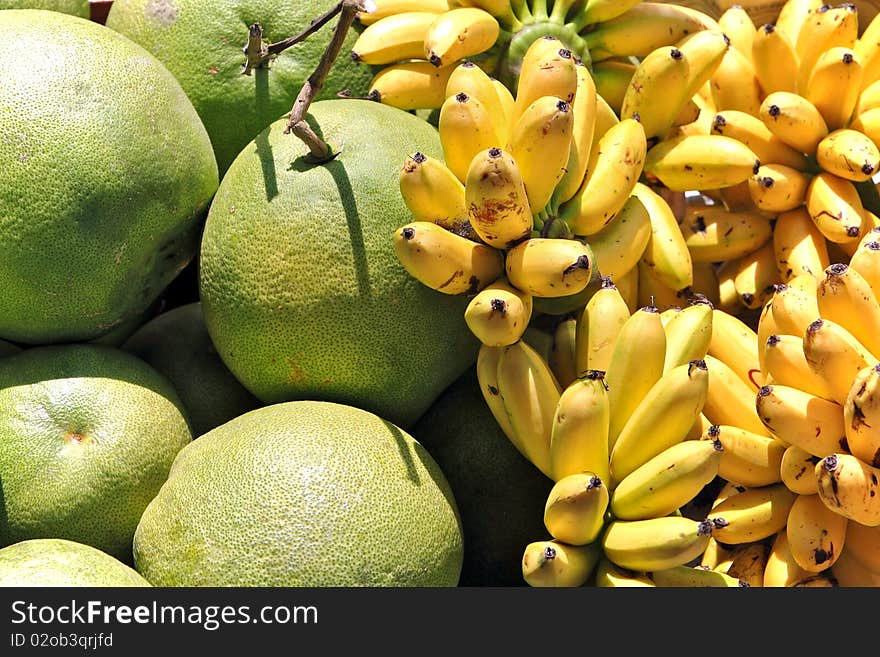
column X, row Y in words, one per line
column 415, row 45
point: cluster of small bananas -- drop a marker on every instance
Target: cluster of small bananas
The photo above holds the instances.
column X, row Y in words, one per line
column 418, row 43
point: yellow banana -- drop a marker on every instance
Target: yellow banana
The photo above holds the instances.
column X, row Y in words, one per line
column 816, row 534
column 504, row 10
column 693, row 162
column 394, row 38
column 458, row 34
column 715, row 555
column 432, row 192
column 866, row 261
column 495, row 194
column 548, row 69
column 845, row 297
column 826, row 27
column 487, row 377
column 498, row 314
column 752, row 132
column 850, row 571
column 667, row 481
column 444, row 261
column 795, row 307
column 798, row 418
column 730, row 400
column 766, row 328
column 868, row 48
column 508, row 103
column 583, row 130
column 797, row 470
column 556, row 564
column 835, row 354
column 849, row 154
column 836, row 208
column 410, row 85
column 695, row 577
column 748, row 563
column 663, row 418
column 561, row 357
column 653, row 292
column 540, row 142
column 610, row 575
column 550, row 267
column 466, row 128
column 861, row 411
column 738, row 25
column 714, row 234
column 579, row 434
column 618, row 247
column 755, row 275
column 799, row 246
column 574, row 512
column 869, row 97
column 777, row 188
column 736, row 344
column 688, row 335
column 862, row 543
column 468, row 78
column 735, row 84
column 792, row 15
column 850, row 487
column 385, row 8
column 666, row 252
column 747, row 458
column 616, row 163
column 774, row 60
column 782, row 571
column 834, row 85
column 706, row 282
column 612, row 78
column 868, row 123
column 786, row 365
column 794, row 119
column 655, row 543
column 628, row 284
column 753, row 515
column 602, row 11
column 598, row 326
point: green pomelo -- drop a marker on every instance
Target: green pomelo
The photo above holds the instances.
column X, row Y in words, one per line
column 106, row 173
column 87, row 437
column 201, row 41
column 177, row 344
column 302, row 292
column 7, row 348
column 61, row 563
column 302, row 493
column 79, row 8
column 500, row 495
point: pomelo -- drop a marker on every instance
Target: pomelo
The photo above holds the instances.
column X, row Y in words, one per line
column 87, row 437
column 302, row 493
column 500, row 495
column 106, row 173
column 201, row 41
column 79, row 8
column 302, row 292
column 7, row 348
column 58, row 562
column 177, row 344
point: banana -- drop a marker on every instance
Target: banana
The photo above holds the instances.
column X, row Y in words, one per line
column 755, row 275
column 835, row 354
column 845, row 297
column 747, row 458
column 561, row 358
column 628, row 284
column 752, row 132
column 868, row 123
column 861, row 410
column 459, row 33
column 688, row 335
column 794, row 119
column 748, row 563
column 663, row 418
column 432, row 192
column 868, row 49
column 693, row 162
column 753, row 515
column 540, row 339
column 556, row 564
column 618, row 247
column 653, row 292
column 735, row 84
column 792, row 15
column 836, row 208
column 644, row 28
column 468, row 78
column 797, row 470
column 612, row 78
column 487, row 377
column 657, row 91
column 777, row 188
column 766, row 328
column 798, row 418
column 574, row 512
column 786, row 365
column 716, row 555
column 738, row 25
column 548, row 69
column 656, row 543
column 385, row 8
column 782, row 571
column 695, row 577
column 635, row 367
column 444, row 261
column 667, row 481
column 503, row 10
column 775, row 60
column 866, row 261
column 714, row 234
column 834, row 85
column 816, row 534
column 616, row 163
column 530, row 394
column 610, row 575
column 666, row 253
column 730, row 400
column 394, row 38
column 849, row 571
column 869, row 97
column 605, row 119
column 508, row 103
column 736, row 344
column 411, row 85
column 583, row 130
column 466, row 128
column 498, row 314
column 727, row 489
column 826, row 27
column 799, row 246
column 579, row 434
column 706, row 282
column 850, row 487
column 849, row 154
column 795, row 307
column 549, row 267
column 602, row 11
column 598, row 326
column 862, row 542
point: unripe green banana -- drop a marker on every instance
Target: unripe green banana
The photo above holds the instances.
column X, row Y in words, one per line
column 655, row 543
column 574, row 512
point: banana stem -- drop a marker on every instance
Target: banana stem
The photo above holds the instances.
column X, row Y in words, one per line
column 539, row 10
